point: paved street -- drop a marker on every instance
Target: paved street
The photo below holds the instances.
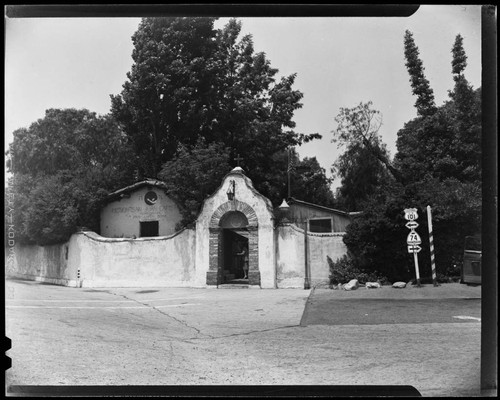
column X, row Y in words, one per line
column 182, row 336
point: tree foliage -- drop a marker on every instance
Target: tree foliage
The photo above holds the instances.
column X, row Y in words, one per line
column 459, row 61
column 192, row 81
column 192, row 174
column 358, row 127
column 361, row 175
column 438, row 164
column 309, row 182
column 171, row 80
column 64, row 165
column 376, row 238
column 420, row 85
column 445, row 144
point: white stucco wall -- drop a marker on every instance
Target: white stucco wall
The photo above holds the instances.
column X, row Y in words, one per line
column 121, row 218
column 320, row 246
column 145, row 262
column 246, row 193
column 106, row 262
column 290, row 259
column 290, row 265
column 52, row 264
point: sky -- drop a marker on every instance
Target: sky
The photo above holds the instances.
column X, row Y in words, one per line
column 339, row 62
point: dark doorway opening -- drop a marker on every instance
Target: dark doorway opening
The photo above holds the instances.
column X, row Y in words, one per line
column 149, row 228
column 235, row 242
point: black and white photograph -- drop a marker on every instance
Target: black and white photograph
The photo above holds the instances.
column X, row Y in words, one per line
column 259, row 201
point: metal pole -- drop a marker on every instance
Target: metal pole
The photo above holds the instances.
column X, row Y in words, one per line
column 431, row 243
column 417, row 273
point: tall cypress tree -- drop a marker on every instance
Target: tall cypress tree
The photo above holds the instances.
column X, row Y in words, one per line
column 467, row 115
column 459, row 61
column 463, row 93
column 420, row 85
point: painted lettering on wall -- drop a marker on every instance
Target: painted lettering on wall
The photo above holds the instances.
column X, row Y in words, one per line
column 141, row 212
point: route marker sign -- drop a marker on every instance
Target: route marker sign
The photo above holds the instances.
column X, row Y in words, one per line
column 411, row 214
column 412, row 225
column 413, row 238
column 414, row 248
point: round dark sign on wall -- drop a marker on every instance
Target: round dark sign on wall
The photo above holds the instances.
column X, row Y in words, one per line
column 150, row 198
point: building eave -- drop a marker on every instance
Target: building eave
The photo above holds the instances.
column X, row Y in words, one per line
column 120, row 193
column 293, row 200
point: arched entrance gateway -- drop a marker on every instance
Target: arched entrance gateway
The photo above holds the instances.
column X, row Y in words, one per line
column 233, row 218
column 233, row 239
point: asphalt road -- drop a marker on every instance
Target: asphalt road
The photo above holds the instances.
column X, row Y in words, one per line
column 391, row 306
column 428, row 338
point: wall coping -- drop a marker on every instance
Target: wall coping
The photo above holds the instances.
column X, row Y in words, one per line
column 323, row 234
column 94, row 236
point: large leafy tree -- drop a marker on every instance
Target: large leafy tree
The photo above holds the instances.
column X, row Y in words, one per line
column 358, row 127
column 63, row 166
column 190, row 80
column 171, row 81
column 361, row 174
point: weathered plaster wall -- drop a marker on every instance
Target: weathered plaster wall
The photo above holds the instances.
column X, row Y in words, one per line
column 50, row 264
column 122, row 218
column 90, row 260
column 290, row 265
column 320, row 246
column 290, row 255
column 161, row 261
column 244, row 192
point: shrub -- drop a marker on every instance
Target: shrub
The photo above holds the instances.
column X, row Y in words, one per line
column 343, row 270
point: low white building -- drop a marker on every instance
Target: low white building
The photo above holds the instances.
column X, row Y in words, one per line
column 143, row 209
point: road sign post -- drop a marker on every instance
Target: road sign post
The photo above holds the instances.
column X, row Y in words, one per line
column 415, row 258
column 413, row 240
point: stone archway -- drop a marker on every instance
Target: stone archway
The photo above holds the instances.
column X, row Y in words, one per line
column 236, row 215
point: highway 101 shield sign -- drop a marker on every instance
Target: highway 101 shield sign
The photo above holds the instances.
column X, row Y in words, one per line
column 411, row 214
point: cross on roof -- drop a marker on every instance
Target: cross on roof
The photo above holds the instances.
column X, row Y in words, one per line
column 238, row 159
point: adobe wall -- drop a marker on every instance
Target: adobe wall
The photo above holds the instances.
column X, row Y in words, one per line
column 90, row 260
column 144, row 262
column 51, row 264
column 290, row 255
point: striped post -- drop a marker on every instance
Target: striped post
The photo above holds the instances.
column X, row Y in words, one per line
column 431, row 243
